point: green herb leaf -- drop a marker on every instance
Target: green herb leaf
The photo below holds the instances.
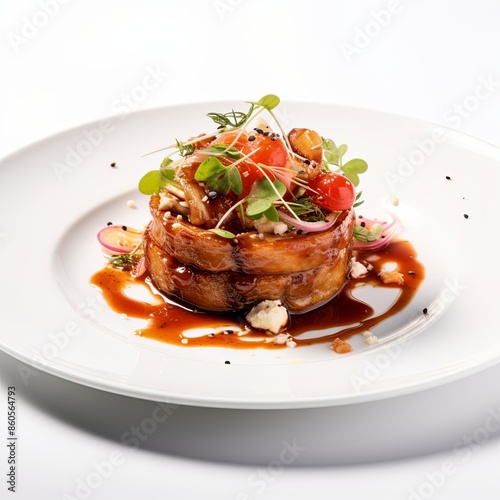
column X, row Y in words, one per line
column 269, row 101
column 185, row 149
column 262, row 188
column 224, row 150
column 257, row 207
column 235, row 180
column 272, row 214
column 223, row 233
column 166, row 162
column 262, row 196
column 208, row 168
column 152, row 182
column 218, row 177
column 307, row 210
column 357, row 200
column 233, row 119
column 333, row 154
column 354, row 167
column 363, row 234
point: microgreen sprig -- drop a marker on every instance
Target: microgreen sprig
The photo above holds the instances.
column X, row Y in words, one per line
column 361, row 233
column 154, row 181
column 233, row 119
column 333, row 157
column 127, row 259
column 219, row 177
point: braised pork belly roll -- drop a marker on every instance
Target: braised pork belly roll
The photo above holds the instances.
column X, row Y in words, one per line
column 249, row 216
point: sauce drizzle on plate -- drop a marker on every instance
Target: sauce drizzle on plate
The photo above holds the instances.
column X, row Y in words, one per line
column 345, row 315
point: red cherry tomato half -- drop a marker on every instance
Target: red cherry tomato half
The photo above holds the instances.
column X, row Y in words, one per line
column 271, row 152
column 332, row 191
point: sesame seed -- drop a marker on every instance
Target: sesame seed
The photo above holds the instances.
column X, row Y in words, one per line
column 109, row 224
column 124, row 228
column 251, row 138
column 131, row 203
column 113, row 165
column 466, row 216
column 425, row 310
column 227, row 362
column 411, row 272
column 184, row 341
column 448, row 178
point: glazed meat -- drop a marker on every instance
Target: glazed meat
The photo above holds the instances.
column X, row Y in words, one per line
column 249, row 252
column 213, row 273
column 259, row 257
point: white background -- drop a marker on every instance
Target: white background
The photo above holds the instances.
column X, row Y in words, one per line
column 67, row 63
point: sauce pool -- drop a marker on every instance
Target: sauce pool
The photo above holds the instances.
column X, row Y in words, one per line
column 169, row 322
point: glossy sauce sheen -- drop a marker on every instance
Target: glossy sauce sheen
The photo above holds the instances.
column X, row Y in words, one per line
column 168, row 321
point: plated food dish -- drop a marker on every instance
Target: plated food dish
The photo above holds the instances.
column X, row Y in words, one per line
column 260, row 224
column 54, row 320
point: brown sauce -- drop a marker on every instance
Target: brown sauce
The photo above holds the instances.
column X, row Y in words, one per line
column 168, row 321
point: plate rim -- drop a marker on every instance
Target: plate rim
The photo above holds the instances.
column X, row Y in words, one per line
column 311, row 402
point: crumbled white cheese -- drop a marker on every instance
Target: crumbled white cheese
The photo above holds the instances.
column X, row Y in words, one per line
column 358, row 270
column 370, row 339
column 265, row 226
column 284, row 338
column 268, row 315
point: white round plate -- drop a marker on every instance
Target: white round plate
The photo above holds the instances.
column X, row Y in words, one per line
column 57, row 193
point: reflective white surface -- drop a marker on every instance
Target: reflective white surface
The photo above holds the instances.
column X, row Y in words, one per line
column 83, row 197
column 429, row 60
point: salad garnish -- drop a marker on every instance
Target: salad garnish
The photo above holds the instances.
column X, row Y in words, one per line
column 273, row 187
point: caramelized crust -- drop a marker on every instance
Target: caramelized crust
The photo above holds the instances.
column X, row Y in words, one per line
column 229, row 290
column 248, row 252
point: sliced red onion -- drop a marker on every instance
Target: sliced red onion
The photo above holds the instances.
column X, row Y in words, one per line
column 389, row 230
column 117, row 240
column 310, row 227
